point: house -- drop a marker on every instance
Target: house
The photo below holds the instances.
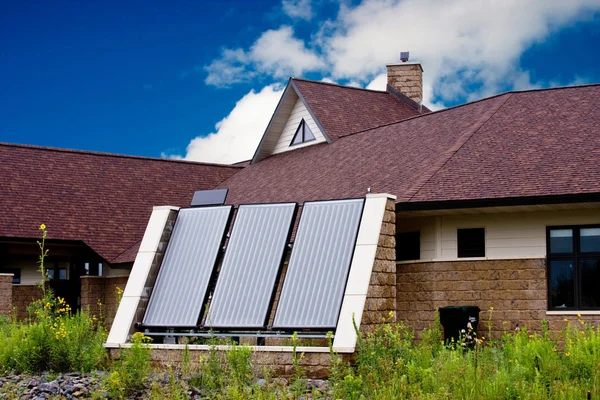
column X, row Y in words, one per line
column 496, row 202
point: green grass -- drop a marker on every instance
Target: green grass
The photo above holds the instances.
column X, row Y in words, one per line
column 51, row 339
column 390, row 363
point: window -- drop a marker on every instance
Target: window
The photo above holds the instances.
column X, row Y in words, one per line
column 573, row 267
column 470, row 242
column 303, row 134
column 16, row 274
column 408, row 246
column 57, row 272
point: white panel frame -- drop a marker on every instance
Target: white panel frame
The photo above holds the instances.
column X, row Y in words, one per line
column 125, row 317
column 361, row 269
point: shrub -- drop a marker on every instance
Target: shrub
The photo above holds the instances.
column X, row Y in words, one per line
column 131, row 371
column 54, row 339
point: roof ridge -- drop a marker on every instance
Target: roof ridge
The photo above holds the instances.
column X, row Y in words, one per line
column 105, row 154
column 470, row 103
column 340, row 86
column 450, row 152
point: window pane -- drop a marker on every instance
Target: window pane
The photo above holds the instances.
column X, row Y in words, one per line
column 562, row 284
column 308, row 135
column 590, row 276
column 408, row 246
column 471, row 242
column 589, row 240
column 298, row 136
column 561, row 241
column 50, row 273
column 62, row 274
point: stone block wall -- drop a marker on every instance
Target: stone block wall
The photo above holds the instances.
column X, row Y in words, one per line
column 381, row 296
column 6, row 294
column 516, row 289
column 23, row 296
column 99, row 295
column 278, row 363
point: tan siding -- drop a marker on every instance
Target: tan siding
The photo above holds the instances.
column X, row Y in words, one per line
column 426, row 226
column 29, row 272
column 507, row 235
column 298, row 112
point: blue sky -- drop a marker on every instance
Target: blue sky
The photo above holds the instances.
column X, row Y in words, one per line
column 153, row 78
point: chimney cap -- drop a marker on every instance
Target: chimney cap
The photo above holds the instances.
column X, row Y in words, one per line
column 404, row 56
column 402, row 64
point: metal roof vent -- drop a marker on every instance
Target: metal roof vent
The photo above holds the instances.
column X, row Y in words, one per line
column 404, row 56
column 214, row 197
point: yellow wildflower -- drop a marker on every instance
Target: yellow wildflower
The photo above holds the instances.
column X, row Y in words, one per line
column 491, row 308
column 42, row 227
column 567, row 354
column 566, row 320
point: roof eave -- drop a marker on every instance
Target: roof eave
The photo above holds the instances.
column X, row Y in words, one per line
column 499, row 202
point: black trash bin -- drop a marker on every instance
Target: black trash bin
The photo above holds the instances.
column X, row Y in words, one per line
column 456, row 318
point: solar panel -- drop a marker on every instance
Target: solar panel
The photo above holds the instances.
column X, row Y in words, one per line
column 190, row 258
column 251, row 265
column 214, row 197
column 316, row 277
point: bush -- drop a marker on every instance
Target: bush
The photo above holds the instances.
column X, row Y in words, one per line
column 521, row 365
column 53, row 339
column 130, row 372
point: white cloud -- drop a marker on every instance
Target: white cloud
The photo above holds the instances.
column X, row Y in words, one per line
column 276, row 53
column 229, row 69
column 378, row 83
column 301, row 9
column 462, row 44
column 237, row 135
column 459, row 42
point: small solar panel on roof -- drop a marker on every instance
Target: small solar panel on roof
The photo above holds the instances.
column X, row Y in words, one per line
column 215, row 197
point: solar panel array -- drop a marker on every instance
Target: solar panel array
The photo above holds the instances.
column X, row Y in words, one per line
column 316, row 277
column 189, row 262
column 251, row 265
column 313, row 285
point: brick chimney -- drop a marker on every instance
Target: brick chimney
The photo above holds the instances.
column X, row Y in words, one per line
column 406, row 78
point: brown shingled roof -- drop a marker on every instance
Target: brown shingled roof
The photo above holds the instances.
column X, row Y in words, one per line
column 533, row 143
column 343, row 110
column 104, row 200
column 539, row 143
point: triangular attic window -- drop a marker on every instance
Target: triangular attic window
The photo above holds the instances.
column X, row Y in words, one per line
column 303, row 134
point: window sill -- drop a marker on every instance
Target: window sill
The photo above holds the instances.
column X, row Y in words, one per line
column 430, row 260
column 443, row 260
column 573, row 312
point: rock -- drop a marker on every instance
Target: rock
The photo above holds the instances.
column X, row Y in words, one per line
column 280, row 382
column 196, row 391
column 261, row 382
column 318, row 384
column 32, row 383
column 50, row 387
